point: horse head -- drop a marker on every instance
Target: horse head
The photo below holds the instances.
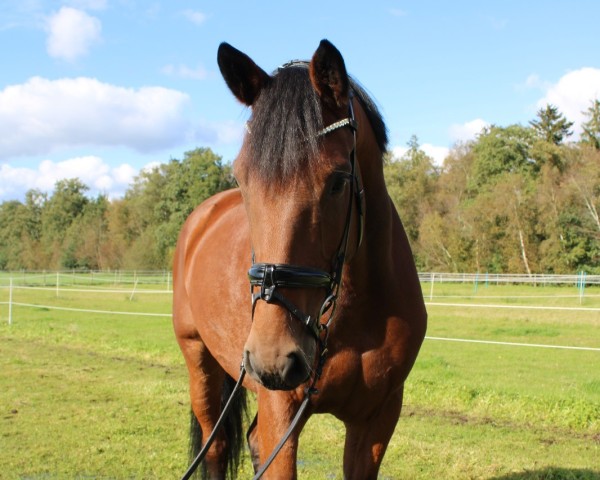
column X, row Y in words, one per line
column 301, row 190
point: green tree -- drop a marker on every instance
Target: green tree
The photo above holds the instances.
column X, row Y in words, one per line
column 85, row 239
column 501, row 150
column 12, row 227
column 552, row 198
column 411, row 181
column 31, row 239
column 584, row 176
column 20, row 232
column 445, row 232
column 591, row 127
column 188, row 182
column 62, row 208
column 159, row 201
column 551, row 125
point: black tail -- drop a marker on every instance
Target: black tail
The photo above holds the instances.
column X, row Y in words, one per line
column 196, row 445
column 234, row 430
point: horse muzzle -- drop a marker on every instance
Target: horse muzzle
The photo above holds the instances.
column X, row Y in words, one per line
column 285, row 372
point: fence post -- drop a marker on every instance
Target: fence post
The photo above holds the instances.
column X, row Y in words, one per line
column 10, row 296
column 431, row 290
column 57, row 282
column 581, row 287
column 133, row 291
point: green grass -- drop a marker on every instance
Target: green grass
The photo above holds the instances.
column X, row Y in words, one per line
column 69, row 412
column 87, row 395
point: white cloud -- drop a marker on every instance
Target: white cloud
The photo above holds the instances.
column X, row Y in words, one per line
column 183, row 71
column 438, row 154
column 123, row 174
column 467, row 131
column 150, row 166
column 71, row 33
column 44, row 115
column 573, row 94
column 91, row 170
column 195, row 16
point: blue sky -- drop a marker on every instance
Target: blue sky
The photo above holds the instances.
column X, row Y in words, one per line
column 99, row 89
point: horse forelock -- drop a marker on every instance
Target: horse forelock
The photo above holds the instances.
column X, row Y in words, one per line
column 283, row 130
column 283, row 139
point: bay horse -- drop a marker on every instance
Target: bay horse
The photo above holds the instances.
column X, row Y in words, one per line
column 304, row 273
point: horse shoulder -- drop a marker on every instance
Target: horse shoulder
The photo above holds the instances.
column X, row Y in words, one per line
column 194, row 233
column 210, row 278
column 203, row 216
column 405, row 322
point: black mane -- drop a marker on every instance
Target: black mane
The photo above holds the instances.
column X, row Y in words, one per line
column 286, row 120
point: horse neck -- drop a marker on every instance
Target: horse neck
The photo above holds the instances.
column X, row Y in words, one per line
column 379, row 213
column 379, row 208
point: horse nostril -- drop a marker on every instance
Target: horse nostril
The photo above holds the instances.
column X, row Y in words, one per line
column 248, row 362
column 295, row 370
column 290, row 372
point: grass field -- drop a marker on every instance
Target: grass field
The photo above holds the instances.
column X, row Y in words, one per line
column 96, row 396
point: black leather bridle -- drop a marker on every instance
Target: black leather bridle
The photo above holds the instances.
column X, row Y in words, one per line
column 270, row 277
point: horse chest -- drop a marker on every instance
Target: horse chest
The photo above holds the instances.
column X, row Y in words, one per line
column 364, row 379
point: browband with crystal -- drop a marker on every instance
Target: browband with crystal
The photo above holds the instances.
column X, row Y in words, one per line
column 331, row 128
column 350, row 122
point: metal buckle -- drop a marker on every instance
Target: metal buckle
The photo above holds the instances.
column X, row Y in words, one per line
column 268, row 284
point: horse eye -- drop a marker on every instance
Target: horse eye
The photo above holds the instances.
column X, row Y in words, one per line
column 338, row 185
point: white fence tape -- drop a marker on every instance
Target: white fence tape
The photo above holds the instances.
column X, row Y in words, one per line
column 517, row 307
column 85, row 310
column 92, row 290
column 129, row 291
column 513, row 344
column 463, row 340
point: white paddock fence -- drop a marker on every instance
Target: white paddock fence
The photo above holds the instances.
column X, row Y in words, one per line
column 158, row 278
column 580, row 281
column 152, row 283
column 163, row 278
column 539, row 279
column 130, row 283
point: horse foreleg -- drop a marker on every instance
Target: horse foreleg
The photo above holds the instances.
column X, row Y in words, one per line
column 206, row 381
column 367, row 440
column 275, row 413
column 252, row 440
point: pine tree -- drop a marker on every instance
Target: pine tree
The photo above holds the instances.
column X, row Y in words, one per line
column 552, row 126
column 591, row 128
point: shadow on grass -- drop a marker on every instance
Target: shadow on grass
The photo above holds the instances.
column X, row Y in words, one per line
column 553, row 473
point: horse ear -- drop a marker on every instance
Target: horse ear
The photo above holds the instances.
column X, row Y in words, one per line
column 244, row 78
column 328, row 75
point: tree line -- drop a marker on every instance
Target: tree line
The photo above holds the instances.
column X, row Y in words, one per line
column 69, row 230
column 517, row 199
